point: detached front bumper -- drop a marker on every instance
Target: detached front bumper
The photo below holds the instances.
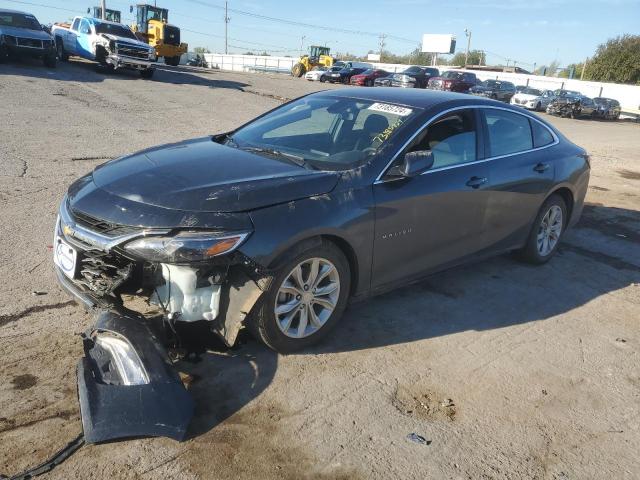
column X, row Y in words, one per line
column 121, row 61
column 126, row 384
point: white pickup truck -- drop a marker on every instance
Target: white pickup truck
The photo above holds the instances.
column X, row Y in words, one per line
column 112, row 45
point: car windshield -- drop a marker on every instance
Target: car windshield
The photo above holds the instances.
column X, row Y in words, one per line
column 19, row 20
column 324, row 132
column 115, row 29
column 490, row 83
column 567, row 93
column 412, row 70
column 369, row 71
column 452, row 75
column 531, row 91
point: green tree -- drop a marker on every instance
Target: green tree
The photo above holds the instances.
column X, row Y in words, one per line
column 475, row 57
column 618, row 60
column 577, row 70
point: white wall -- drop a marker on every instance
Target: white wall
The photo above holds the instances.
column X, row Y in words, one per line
column 627, row 95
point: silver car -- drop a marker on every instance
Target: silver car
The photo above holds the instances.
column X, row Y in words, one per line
column 533, row 99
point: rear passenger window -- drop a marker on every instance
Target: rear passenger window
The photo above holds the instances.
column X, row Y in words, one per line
column 541, row 135
column 508, row 132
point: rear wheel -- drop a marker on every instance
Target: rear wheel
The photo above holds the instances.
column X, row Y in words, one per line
column 546, row 232
column 298, row 70
column 306, row 299
column 172, row 61
column 538, row 107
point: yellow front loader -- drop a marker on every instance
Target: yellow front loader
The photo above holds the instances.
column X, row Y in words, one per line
column 318, row 56
column 152, row 26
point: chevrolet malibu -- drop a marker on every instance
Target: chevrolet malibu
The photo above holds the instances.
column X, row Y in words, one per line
column 337, row 195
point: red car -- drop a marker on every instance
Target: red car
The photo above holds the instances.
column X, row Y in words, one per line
column 367, row 77
column 453, row 81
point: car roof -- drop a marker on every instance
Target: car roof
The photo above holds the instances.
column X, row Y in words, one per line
column 6, row 10
column 97, row 21
column 414, row 97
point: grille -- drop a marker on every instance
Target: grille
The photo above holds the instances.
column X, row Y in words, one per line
column 133, row 51
column 101, row 226
column 29, row 42
column 171, row 35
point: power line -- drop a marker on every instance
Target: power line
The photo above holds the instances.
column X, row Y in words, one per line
column 42, row 5
column 300, row 24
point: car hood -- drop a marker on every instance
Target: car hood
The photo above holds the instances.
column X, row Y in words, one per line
column 24, row 33
column 525, row 96
column 203, row 176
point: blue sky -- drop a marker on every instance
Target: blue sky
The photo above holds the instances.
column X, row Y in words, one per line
column 529, row 31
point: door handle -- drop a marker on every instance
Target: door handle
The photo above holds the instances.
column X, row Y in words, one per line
column 476, row 182
column 541, row 167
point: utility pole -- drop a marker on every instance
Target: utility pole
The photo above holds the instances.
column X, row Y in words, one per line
column 584, row 67
column 466, row 54
column 103, row 7
column 302, row 44
column 226, row 29
column 382, row 44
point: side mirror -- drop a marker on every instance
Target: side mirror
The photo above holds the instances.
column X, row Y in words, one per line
column 413, row 163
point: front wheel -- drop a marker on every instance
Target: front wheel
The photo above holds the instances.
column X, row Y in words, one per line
column 306, row 299
column 50, row 60
column 323, row 79
column 147, row 73
column 546, row 232
column 298, row 70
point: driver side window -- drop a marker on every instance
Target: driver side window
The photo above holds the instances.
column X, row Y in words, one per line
column 451, row 139
column 85, row 28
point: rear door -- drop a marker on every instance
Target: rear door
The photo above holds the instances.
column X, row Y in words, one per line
column 434, row 219
column 522, row 172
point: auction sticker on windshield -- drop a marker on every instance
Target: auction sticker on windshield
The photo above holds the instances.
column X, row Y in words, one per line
column 387, row 108
column 64, row 256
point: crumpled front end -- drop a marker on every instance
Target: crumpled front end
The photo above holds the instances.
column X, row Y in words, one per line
column 122, row 54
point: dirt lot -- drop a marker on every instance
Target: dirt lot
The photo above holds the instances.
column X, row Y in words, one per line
column 508, row 371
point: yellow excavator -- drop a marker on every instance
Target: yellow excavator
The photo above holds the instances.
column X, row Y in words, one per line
column 317, row 56
column 152, row 26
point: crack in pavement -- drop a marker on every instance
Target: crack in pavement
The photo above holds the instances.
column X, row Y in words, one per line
column 14, row 317
column 25, row 167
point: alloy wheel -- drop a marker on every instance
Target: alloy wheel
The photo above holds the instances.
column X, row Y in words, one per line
column 549, row 230
column 307, row 297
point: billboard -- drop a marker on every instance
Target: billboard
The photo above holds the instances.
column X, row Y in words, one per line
column 373, row 57
column 436, row 43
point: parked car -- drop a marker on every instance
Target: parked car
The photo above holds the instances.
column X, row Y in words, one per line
column 344, row 75
column 533, row 99
column 383, row 81
column 496, row 89
column 414, row 77
column 315, row 73
column 198, row 61
column 571, row 104
column 454, row 81
column 295, row 242
column 21, row 35
column 112, row 45
column 368, row 77
column 521, row 88
column 350, row 64
column 607, row 108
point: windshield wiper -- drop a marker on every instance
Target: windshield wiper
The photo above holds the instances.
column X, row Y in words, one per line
column 298, row 160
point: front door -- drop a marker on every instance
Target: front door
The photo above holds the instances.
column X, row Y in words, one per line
column 435, row 219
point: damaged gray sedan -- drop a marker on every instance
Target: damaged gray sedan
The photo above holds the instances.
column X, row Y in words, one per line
column 274, row 226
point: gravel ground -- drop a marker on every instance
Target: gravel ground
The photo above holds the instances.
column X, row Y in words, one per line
column 507, row 370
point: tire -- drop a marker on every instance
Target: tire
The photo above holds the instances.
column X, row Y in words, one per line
column 4, row 55
column 268, row 327
column 323, row 79
column 298, row 70
column 172, row 61
column 147, row 73
column 62, row 54
column 533, row 252
column 50, row 61
column 538, row 107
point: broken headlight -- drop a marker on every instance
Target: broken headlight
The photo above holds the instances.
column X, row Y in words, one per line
column 185, row 247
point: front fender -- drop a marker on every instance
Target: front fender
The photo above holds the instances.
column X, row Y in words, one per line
column 347, row 214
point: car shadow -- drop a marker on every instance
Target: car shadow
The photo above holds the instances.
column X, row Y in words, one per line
column 78, row 70
column 599, row 256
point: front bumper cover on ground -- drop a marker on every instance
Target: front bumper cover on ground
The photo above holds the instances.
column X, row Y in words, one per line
column 126, row 384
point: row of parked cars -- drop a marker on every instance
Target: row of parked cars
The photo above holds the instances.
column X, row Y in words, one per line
column 556, row 102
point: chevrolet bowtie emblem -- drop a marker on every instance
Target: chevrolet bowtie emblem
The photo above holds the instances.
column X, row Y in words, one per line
column 67, row 230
